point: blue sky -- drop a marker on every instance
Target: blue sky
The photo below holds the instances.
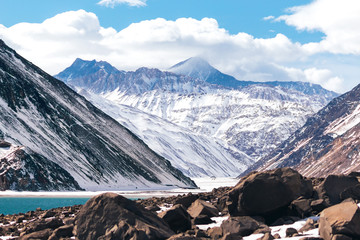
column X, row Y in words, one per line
column 257, row 40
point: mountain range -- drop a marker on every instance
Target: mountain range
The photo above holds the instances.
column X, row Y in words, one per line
column 242, row 120
column 54, row 139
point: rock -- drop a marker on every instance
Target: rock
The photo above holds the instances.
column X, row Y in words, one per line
column 153, row 208
column 202, row 219
column 267, row 236
column 20, row 219
column 200, row 233
column 231, row 236
column 290, row 232
column 285, row 220
column 215, row 232
column 48, row 214
column 51, row 223
column 277, row 236
column 69, row 221
column 4, row 144
column 187, row 200
column 62, row 232
column 351, row 192
column 318, row 205
column 242, row 226
column 111, row 216
column 200, row 207
column 39, row 235
column 301, row 207
column 177, row 218
column 343, row 218
column 311, row 238
column 341, row 237
column 310, row 224
column 331, row 188
column 268, row 193
column 182, row 237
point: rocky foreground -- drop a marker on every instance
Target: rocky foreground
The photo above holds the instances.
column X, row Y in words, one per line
column 258, row 201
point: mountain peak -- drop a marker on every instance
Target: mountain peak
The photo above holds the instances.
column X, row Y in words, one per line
column 195, row 67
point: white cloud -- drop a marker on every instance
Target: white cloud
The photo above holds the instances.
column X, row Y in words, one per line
column 268, row 18
column 58, row 41
column 338, row 20
column 113, row 3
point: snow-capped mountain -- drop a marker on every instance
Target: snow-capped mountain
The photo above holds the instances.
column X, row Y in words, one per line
column 198, row 68
column 196, row 155
column 52, row 128
column 328, row 143
column 251, row 120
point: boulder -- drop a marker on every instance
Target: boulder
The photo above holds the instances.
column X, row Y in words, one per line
column 200, row 207
column 62, row 232
column 39, row 235
column 230, row 236
column 268, row 193
column 215, row 232
column 301, row 207
column 187, row 200
column 291, row 232
column 340, row 219
column 202, row 219
column 351, row 192
column 111, row 216
column 332, row 187
column 267, row 236
column 241, row 226
column 177, row 218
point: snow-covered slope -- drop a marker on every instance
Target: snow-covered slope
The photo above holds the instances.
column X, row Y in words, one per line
column 251, row 120
column 47, row 117
column 328, row 143
column 196, row 155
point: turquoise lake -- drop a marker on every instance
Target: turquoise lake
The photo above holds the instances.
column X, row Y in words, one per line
column 13, row 205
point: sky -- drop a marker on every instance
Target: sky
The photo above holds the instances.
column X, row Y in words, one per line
column 260, row 40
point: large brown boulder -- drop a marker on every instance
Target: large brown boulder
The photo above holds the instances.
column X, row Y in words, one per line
column 266, row 193
column 240, row 226
column 341, row 220
column 331, row 188
column 177, row 218
column 111, row 216
column 201, row 207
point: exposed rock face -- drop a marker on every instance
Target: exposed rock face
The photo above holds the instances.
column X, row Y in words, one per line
column 14, row 177
column 328, row 143
column 71, row 135
column 340, row 221
column 111, row 216
column 265, row 193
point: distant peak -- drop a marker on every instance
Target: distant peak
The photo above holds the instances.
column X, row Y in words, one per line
column 193, row 62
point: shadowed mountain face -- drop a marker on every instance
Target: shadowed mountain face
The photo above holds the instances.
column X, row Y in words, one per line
column 328, row 143
column 215, row 124
column 67, row 132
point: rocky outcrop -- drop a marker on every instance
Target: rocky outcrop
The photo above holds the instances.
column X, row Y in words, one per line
column 111, row 216
column 268, row 193
column 340, row 221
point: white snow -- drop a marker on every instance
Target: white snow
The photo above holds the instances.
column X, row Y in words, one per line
column 342, row 125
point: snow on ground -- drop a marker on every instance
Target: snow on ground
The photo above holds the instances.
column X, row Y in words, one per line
column 205, row 185
column 274, row 230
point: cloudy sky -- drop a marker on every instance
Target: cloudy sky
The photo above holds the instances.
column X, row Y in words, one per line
column 258, row 40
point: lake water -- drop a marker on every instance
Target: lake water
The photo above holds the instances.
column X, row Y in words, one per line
column 11, row 205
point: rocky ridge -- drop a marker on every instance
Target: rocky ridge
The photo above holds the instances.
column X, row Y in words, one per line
column 57, row 135
column 110, row 216
column 327, row 144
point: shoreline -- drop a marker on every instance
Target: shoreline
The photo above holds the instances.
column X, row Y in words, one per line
column 204, row 184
